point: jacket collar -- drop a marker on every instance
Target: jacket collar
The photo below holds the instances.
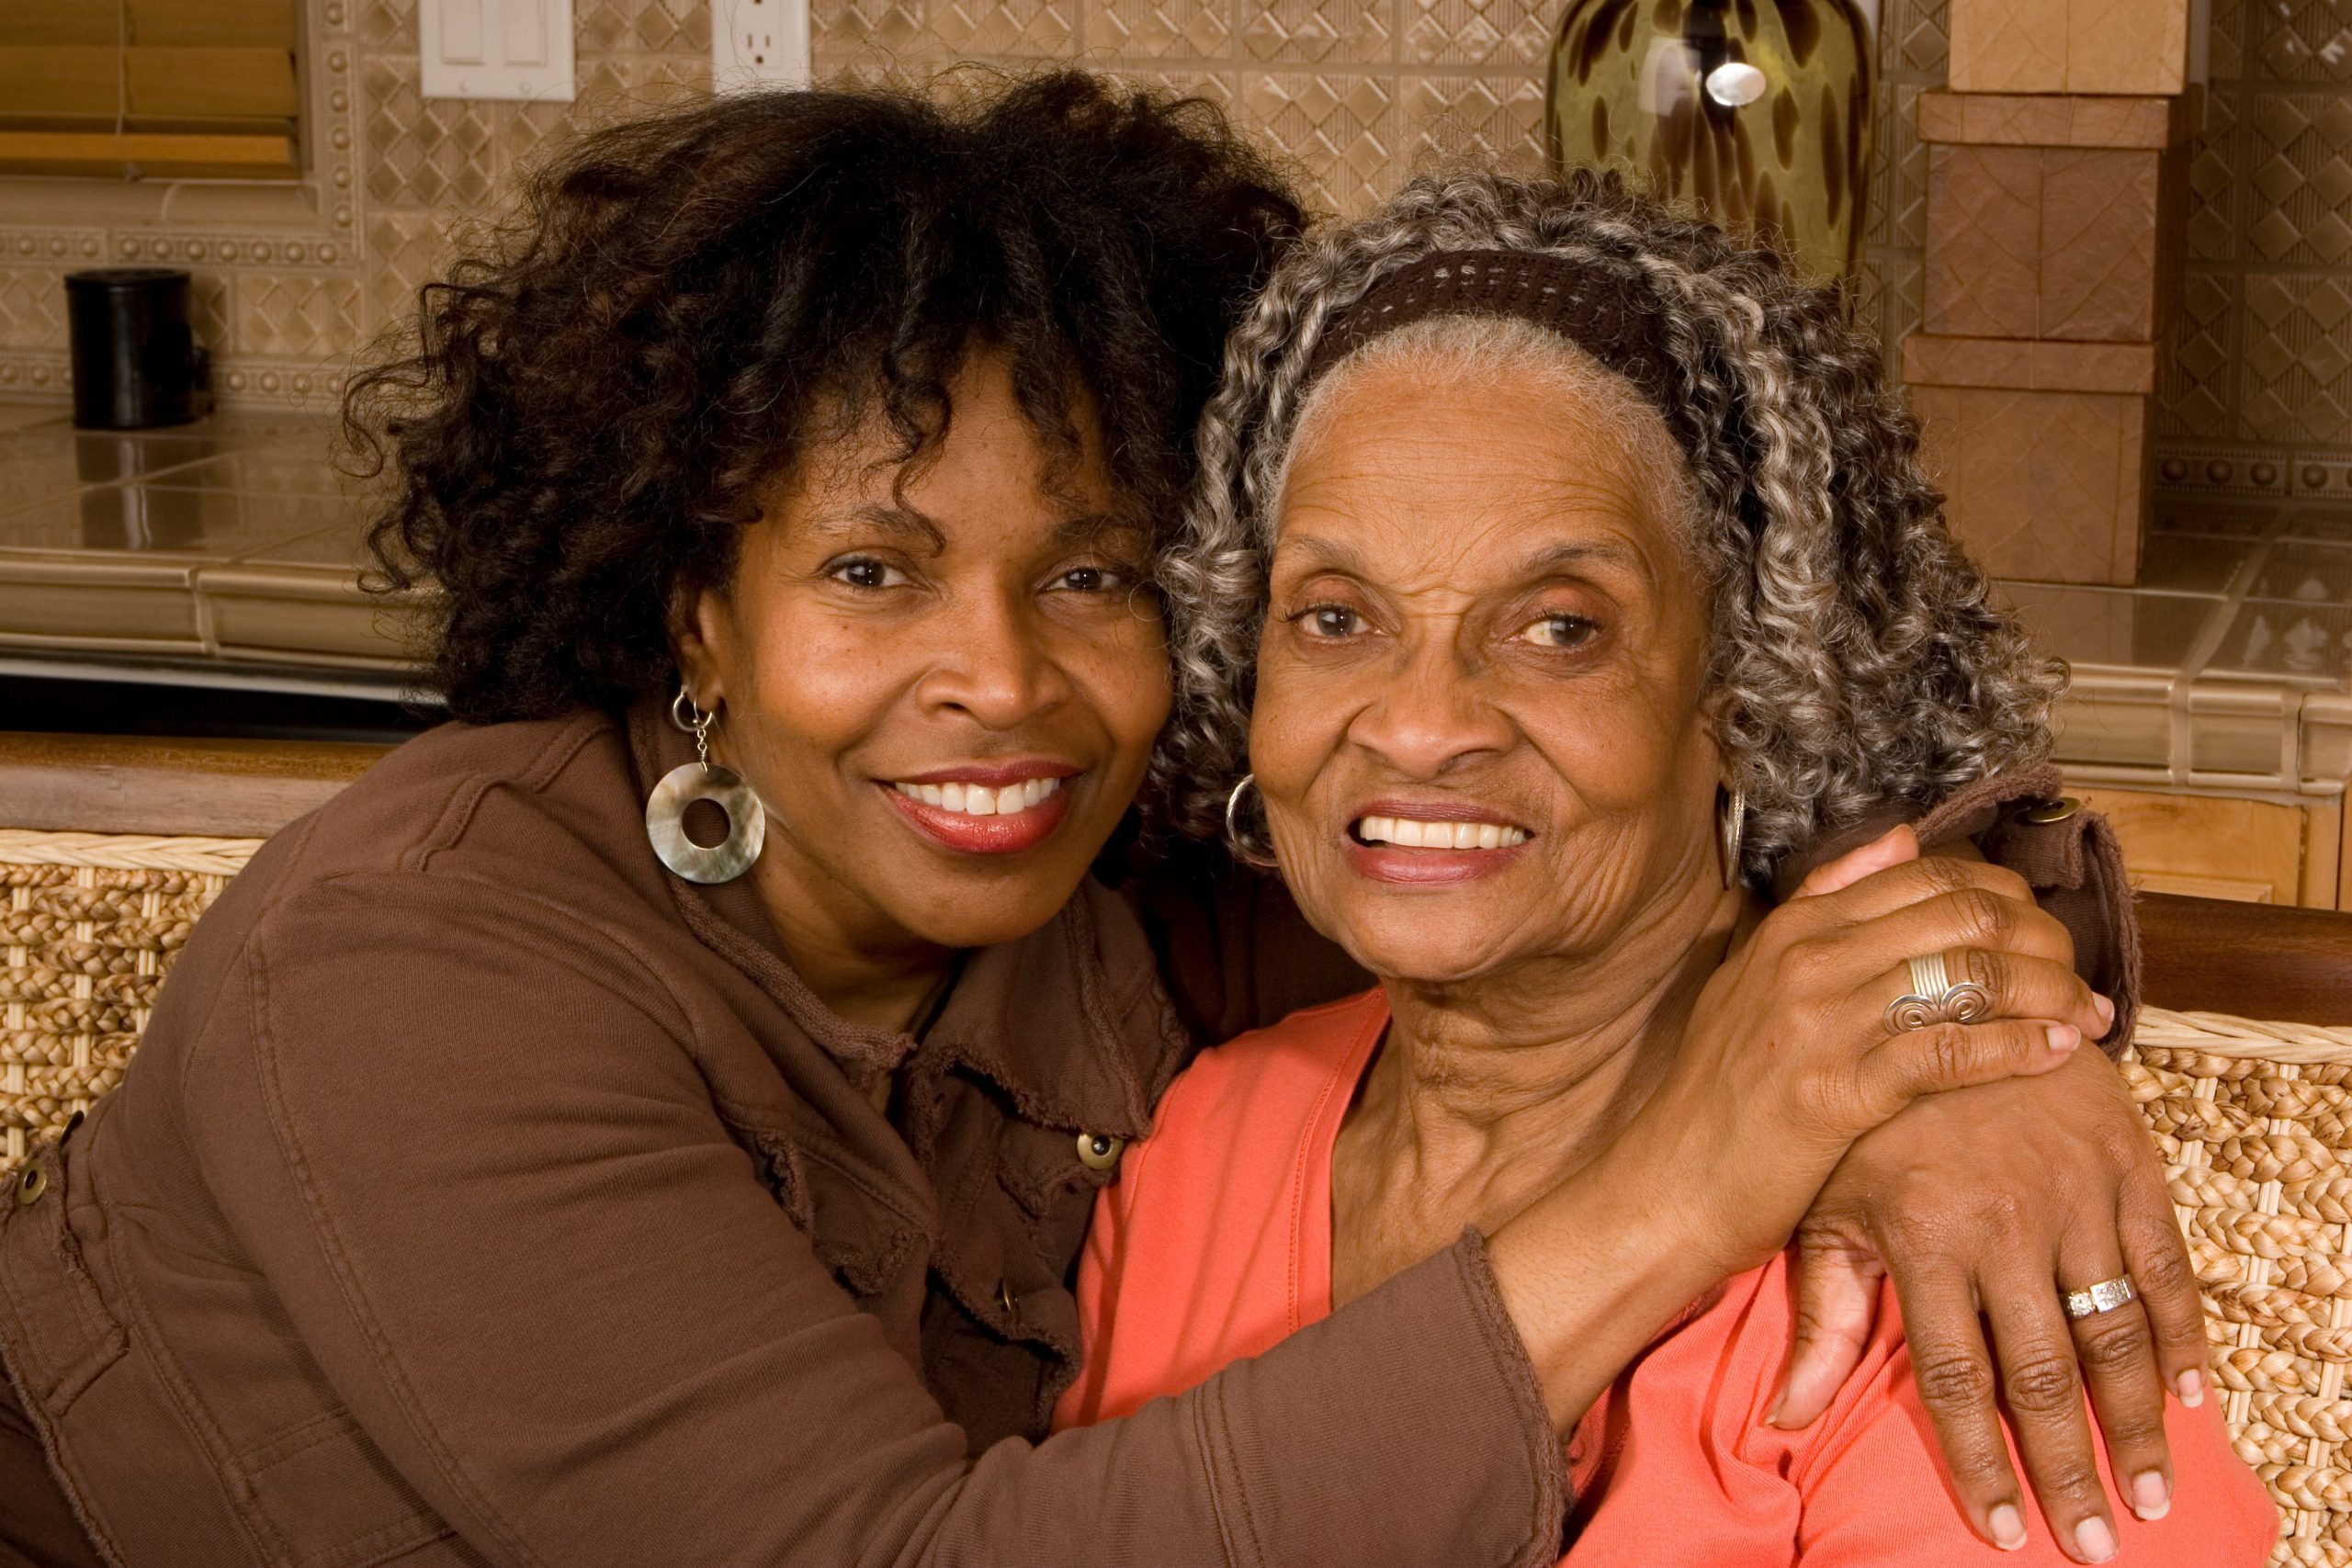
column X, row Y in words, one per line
column 1070, row 1022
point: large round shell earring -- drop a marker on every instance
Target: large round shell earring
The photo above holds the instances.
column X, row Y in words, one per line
column 1731, row 828
column 1245, row 850
column 665, row 812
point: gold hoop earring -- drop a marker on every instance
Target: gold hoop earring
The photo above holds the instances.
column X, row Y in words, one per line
column 1235, row 840
column 1731, row 829
column 665, row 812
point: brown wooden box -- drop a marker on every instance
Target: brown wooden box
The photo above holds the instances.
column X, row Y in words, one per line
column 2112, row 47
column 2075, row 243
column 2045, row 480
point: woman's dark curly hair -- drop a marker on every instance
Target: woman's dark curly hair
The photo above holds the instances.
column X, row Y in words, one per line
column 582, row 419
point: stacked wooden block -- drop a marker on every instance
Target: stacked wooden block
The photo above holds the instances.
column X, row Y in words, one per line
column 2056, row 185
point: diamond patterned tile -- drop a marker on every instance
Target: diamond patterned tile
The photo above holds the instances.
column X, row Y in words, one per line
column 522, row 134
column 1219, row 87
column 2192, row 391
column 2214, row 203
column 2295, row 159
column 209, row 314
column 305, row 318
column 648, row 26
column 406, row 251
column 1028, row 28
column 1338, row 32
column 1917, row 36
column 864, row 35
column 1478, row 33
column 2297, row 370
column 2303, row 40
column 2226, row 61
column 32, row 308
column 1341, row 127
column 420, row 151
column 1889, row 301
column 388, row 27
column 1161, row 29
column 1898, row 214
column 1487, row 117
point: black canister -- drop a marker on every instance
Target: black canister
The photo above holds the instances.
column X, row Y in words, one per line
column 136, row 362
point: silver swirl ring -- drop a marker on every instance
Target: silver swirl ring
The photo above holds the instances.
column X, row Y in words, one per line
column 2105, row 1296
column 1936, row 998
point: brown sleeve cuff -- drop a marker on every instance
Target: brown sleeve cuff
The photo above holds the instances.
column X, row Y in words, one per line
column 2074, row 864
column 1427, row 1429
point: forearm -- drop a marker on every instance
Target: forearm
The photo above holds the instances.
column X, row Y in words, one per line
column 1593, row 1271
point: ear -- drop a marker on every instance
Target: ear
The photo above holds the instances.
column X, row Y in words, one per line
column 702, row 642
column 1708, row 718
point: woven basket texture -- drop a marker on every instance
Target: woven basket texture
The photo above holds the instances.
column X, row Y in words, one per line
column 2254, row 1121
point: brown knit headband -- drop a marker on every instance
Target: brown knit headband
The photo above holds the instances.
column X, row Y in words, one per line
column 1597, row 311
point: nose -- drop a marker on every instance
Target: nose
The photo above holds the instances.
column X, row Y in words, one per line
column 994, row 663
column 1429, row 715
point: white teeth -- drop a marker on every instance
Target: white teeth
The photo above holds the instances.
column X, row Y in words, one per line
column 1409, row 833
column 979, row 800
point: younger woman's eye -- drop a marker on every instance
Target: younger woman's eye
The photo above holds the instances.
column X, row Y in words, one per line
column 864, row 571
column 1095, row 579
column 1562, row 631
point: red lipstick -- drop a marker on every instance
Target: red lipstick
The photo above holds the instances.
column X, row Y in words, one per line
column 967, row 834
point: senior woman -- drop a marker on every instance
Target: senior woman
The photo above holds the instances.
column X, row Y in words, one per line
column 1597, row 580
column 513, row 1173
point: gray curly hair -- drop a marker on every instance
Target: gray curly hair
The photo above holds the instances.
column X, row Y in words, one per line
column 1856, row 659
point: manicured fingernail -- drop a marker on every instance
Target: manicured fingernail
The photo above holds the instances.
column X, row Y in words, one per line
column 2191, row 1384
column 2008, row 1527
column 2151, row 1498
column 2064, row 1037
column 2106, row 1008
column 2094, row 1539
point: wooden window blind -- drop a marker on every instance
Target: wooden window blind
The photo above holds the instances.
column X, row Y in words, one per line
column 149, row 88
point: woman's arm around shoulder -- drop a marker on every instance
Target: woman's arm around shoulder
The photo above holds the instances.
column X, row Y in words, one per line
column 1871, row 1491
column 469, row 1138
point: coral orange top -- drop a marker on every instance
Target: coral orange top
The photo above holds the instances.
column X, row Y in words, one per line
column 1216, row 1242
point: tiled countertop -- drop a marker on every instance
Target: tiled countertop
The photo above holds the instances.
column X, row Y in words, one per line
column 2228, row 671
column 229, row 544
column 232, row 547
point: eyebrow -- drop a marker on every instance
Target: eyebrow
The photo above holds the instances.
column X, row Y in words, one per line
column 1338, row 556
column 926, row 532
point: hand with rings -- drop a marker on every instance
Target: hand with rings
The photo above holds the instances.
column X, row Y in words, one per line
column 1935, row 998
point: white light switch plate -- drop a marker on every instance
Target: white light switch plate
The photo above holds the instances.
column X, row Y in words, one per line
column 495, row 49
column 761, row 43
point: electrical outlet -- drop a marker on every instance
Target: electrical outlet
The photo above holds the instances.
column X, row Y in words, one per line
column 759, row 43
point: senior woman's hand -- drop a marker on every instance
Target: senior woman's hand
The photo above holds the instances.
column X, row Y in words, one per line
column 1985, row 1203
column 1785, row 1061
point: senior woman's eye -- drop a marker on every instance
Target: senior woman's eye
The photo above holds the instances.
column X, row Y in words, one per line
column 1328, row 620
column 1560, row 631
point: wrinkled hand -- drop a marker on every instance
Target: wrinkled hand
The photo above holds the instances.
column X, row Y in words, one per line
column 1990, row 1201
column 1787, row 1058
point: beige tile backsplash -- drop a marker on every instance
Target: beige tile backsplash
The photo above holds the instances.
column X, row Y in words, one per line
column 2257, row 389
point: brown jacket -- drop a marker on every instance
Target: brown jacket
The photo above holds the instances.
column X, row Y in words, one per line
column 482, row 1194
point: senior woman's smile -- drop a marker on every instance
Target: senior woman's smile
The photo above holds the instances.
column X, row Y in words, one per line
column 1485, row 652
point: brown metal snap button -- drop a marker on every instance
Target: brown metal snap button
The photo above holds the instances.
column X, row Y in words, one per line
column 31, row 1184
column 2051, row 811
column 1100, row 1151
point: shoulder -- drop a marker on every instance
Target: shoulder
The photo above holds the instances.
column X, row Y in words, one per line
column 1274, row 1076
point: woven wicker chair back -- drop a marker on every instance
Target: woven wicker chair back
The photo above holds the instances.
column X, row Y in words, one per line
column 2254, row 1122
